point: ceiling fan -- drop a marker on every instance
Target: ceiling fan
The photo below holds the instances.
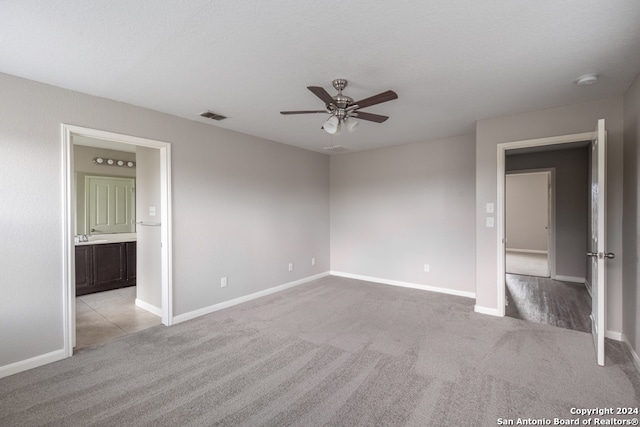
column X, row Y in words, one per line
column 343, row 110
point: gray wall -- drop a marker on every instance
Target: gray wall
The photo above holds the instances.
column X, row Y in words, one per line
column 243, row 207
column 572, row 197
column 395, row 209
column 83, row 161
column 631, row 223
column 149, row 249
column 527, row 212
column 565, row 120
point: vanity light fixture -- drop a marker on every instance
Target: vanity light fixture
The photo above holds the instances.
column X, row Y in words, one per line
column 113, row 162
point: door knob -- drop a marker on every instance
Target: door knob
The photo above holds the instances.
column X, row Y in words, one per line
column 610, row 255
column 592, row 254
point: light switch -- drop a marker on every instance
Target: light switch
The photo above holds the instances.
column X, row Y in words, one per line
column 489, row 207
column 490, row 222
column 152, row 211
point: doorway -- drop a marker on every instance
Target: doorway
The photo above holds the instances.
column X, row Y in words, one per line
column 163, row 283
column 529, row 214
column 597, row 225
column 543, row 285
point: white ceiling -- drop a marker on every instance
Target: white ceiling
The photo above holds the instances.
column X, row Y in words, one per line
column 451, row 62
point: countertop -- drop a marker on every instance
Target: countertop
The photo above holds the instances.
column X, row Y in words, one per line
column 103, row 239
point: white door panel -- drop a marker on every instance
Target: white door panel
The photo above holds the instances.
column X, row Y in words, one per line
column 111, row 205
column 597, row 251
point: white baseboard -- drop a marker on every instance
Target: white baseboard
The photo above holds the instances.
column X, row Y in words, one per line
column 150, row 308
column 487, row 310
column 527, row 251
column 34, row 362
column 405, row 284
column 636, row 359
column 226, row 304
column 613, row 335
column 572, row 279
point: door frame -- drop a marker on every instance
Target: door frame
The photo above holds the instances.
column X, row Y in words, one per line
column 551, row 212
column 500, row 201
column 68, row 228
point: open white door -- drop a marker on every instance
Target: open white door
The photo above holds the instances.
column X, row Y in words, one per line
column 598, row 252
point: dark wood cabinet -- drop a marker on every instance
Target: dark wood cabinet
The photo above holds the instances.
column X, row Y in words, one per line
column 103, row 267
column 131, row 262
column 84, row 271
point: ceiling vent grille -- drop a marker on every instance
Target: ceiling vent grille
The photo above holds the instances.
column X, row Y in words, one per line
column 336, row 149
column 213, row 116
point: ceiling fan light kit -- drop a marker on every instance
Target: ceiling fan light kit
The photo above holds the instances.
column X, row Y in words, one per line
column 343, row 110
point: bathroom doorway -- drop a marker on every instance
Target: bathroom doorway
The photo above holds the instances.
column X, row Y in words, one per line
column 152, row 227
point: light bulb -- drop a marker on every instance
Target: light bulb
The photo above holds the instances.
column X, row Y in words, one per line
column 351, row 124
column 332, row 125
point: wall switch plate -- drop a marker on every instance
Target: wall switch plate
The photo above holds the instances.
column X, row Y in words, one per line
column 490, row 208
column 490, row 222
column 290, row 266
column 223, row 282
column 427, row 268
column 313, row 261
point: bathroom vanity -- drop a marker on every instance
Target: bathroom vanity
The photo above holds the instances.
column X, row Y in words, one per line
column 104, row 265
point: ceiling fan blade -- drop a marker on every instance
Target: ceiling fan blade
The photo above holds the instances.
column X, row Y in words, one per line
column 370, row 116
column 303, row 112
column 377, row 99
column 322, row 94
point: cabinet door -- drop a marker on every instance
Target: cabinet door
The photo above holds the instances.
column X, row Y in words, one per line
column 131, row 263
column 109, row 266
column 84, row 270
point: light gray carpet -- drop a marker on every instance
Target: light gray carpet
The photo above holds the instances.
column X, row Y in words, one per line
column 527, row 264
column 334, row 352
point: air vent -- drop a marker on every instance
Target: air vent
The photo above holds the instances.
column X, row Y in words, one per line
column 336, row 149
column 213, row 116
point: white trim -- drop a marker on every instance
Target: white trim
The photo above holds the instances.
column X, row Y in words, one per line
column 68, row 250
column 499, row 214
column 487, row 310
column 572, row 279
column 68, row 247
column 636, row 359
column 148, row 307
column 527, row 251
column 34, row 362
column 226, row 304
column 588, row 286
column 405, row 284
column 613, row 335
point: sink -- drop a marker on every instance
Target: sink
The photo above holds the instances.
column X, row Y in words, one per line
column 91, row 242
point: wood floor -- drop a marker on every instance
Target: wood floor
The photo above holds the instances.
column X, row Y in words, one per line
column 552, row 302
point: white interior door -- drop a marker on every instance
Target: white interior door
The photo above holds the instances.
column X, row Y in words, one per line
column 598, row 252
column 111, row 205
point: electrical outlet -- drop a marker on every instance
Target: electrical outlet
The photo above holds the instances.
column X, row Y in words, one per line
column 290, row 266
column 223, row 282
column 313, row 261
column 427, row 268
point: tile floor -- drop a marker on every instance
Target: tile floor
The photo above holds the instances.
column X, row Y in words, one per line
column 104, row 316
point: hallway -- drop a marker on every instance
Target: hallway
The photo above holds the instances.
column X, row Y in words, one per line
column 552, row 302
